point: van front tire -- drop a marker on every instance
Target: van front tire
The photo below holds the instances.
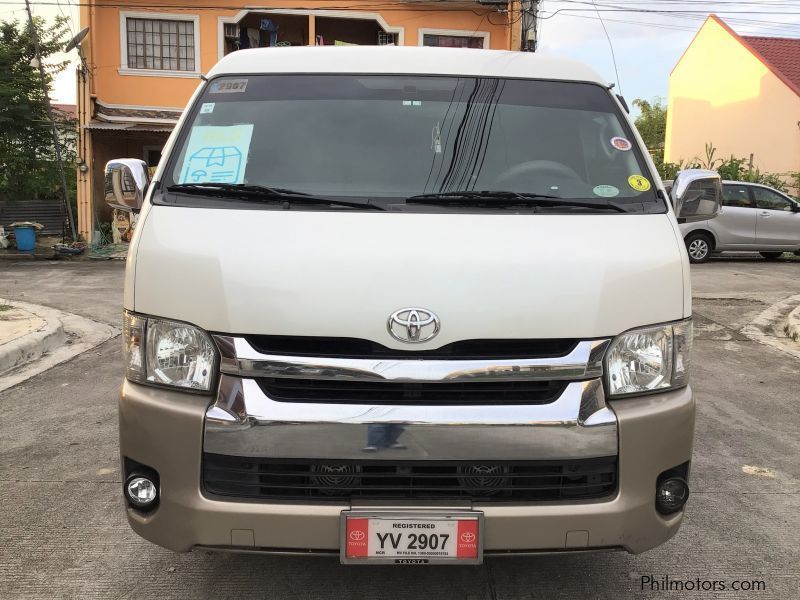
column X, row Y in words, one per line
column 699, row 246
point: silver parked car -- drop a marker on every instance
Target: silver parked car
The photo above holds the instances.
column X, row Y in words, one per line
column 753, row 218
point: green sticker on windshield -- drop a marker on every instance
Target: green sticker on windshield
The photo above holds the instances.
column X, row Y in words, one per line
column 606, row 191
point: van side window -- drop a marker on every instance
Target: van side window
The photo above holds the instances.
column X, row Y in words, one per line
column 736, row 195
column 769, row 200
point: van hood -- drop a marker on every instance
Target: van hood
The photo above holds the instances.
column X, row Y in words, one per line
column 342, row 274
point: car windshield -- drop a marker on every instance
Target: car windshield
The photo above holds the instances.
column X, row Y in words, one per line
column 394, row 137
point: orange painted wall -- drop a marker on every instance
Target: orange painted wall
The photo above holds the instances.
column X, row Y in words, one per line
column 721, row 93
column 103, row 49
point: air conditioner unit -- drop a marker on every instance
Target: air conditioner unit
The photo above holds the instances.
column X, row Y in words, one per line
column 231, row 30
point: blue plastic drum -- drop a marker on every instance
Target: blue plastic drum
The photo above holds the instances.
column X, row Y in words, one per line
column 26, row 238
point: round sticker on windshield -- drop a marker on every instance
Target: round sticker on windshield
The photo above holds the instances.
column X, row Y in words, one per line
column 606, row 191
column 620, row 143
column 639, row 183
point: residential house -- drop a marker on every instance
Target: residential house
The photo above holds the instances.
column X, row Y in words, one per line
column 141, row 64
column 739, row 93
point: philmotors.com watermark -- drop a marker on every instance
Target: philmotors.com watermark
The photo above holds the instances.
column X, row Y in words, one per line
column 665, row 583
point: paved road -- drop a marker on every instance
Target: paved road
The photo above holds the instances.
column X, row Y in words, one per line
column 63, row 534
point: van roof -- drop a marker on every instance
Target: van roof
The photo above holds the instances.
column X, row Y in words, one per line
column 406, row 60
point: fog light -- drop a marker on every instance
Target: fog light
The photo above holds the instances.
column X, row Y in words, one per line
column 141, row 491
column 671, row 495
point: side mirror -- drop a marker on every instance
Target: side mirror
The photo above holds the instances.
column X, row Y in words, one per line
column 696, row 195
column 126, row 183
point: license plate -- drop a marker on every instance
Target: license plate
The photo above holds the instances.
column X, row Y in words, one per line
column 411, row 538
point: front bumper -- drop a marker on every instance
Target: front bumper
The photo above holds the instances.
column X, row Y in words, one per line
column 165, row 430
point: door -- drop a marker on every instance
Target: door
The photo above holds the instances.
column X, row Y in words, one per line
column 778, row 224
column 735, row 225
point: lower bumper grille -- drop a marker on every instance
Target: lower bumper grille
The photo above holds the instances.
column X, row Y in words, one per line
column 510, row 481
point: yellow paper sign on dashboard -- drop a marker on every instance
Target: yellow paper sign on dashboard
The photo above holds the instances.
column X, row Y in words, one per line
column 639, row 183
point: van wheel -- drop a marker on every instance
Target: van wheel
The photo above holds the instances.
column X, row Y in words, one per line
column 771, row 255
column 698, row 245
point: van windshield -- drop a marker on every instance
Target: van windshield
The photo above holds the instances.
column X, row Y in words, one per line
column 392, row 137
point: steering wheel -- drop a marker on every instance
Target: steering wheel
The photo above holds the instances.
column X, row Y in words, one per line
column 540, row 168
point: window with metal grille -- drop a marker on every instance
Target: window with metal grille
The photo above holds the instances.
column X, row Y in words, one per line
column 160, row 44
column 387, row 39
column 452, row 41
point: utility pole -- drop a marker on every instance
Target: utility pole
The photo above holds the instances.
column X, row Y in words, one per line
column 529, row 15
column 53, row 127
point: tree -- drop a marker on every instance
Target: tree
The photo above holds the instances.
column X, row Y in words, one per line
column 652, row 123
column 28, row 167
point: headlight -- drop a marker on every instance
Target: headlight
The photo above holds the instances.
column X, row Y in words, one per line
column 649, row 359
column 165, row 352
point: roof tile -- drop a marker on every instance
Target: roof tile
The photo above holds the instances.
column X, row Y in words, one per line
column 782, row 54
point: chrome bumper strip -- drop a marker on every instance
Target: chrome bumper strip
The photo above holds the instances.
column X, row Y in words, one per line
column 238, row 357
column 245, row 422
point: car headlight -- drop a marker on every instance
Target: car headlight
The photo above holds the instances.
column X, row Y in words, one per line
column 164, row 352
column 649, row 359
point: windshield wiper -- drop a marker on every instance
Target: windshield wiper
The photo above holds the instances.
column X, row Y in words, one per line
column 505, row 198
column 261, row 193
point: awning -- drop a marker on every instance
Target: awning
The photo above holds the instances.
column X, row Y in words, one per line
column 131, row 127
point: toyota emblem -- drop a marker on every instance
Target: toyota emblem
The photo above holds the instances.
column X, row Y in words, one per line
column 467, row 537
column 357, row 535
column 413, row 325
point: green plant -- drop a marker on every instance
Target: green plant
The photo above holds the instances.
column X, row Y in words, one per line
column 732, row 169
column 28, row 167
column 668, row 170
column 773, row 180
column 794, row 182
column 652, row 123
column 710, row 161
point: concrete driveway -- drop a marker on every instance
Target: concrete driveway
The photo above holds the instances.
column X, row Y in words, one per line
column 63, row 533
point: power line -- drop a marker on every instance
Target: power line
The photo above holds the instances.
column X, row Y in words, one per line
column 391, row 5
column 685, row 15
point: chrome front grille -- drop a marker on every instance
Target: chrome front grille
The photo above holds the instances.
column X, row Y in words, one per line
column 481, row 411
column 338, row 347
column 584, row 361
column 284, row 389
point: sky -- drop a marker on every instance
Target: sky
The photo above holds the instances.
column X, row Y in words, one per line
column 647, row 45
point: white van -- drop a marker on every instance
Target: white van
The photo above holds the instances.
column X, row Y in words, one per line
column 405, row 305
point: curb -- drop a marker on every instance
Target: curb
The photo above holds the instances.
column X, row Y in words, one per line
column 20, row 256
column 778, row 326
column 792, row 327
column 33, row 345
column 62, row 337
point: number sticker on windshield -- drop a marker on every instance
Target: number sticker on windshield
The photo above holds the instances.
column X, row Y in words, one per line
column 620, row 143
column 228, row 86
column 606, row 191
column 639, row 183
